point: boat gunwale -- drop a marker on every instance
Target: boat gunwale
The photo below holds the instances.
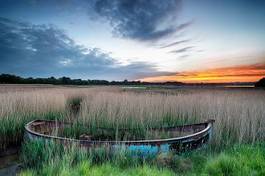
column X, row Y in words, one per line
column 111, row 142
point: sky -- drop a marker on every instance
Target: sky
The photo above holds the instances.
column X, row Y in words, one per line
column 147, row 40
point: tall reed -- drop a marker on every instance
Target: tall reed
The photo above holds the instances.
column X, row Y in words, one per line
column 239, row 113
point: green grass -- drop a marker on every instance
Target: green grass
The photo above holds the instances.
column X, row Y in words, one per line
column 113, row 133
column 85, row 169
column 12, row 127
column 242, row 160
column 42, row 158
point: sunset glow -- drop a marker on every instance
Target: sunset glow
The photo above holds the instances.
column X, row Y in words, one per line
column 250, row 73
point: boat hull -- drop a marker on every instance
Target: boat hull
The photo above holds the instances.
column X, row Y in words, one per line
column 141, row 147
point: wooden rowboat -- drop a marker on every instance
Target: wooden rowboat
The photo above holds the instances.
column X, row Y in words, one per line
column 197, row 135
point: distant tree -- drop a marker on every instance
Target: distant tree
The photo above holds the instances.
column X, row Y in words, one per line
column 125, row 82
column 13, row 79
column 29, row 80
column 65, row 80
column 260, row 83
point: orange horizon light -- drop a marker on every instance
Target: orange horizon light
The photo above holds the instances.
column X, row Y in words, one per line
column 249, row 73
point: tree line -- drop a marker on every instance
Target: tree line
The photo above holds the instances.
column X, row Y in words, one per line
column 13, row 79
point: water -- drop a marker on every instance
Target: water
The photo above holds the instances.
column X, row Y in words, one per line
column 9, row 163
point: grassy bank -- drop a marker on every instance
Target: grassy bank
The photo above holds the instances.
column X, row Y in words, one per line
column 49, row 159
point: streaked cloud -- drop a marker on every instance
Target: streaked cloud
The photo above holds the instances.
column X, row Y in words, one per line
column 184, row 56
column 174, row 43
column 185, row 25
column 182, row 50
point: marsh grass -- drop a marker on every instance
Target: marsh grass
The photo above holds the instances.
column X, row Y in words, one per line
column 239, row 114
column 48, row 158
column 12, row 127
column 79, row 130
column 40, row 152
column 73, row 106
column 84, row 168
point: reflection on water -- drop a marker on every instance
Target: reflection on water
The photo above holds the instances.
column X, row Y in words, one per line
column 8, row 160
column 240, row 86
column 9, row 165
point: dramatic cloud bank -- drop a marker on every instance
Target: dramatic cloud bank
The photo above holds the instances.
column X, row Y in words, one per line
column 45, row 50
column 140, row 19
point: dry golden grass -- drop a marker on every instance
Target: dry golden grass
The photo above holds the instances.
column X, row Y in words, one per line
column 239, row 113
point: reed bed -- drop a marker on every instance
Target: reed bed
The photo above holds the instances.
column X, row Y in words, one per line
column 239, row 113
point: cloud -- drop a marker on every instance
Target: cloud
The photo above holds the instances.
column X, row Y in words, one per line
column 45, row 50
column 182, row 50
column 185, row 25
column 184, row 56
column 143, row 69
column 140, row 19
column 174, row 43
